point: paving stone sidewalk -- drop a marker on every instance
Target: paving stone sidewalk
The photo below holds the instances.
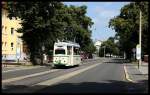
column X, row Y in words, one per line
column 138, row 75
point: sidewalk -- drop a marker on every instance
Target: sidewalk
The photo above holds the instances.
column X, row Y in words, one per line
column 144, row 68
column 139, row 76
column 22, row 64
column 16, row 64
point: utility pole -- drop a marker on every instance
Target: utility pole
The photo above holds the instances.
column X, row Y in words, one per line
column 140, row 37
column 104, row 51
column 124, row 55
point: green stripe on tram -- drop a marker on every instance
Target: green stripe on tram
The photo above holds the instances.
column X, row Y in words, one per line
column 59, row 63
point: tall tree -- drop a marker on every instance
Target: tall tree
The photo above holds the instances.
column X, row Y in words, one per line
column 39, row 26
column 126, row 25
column 110, row 47
column 43, row 23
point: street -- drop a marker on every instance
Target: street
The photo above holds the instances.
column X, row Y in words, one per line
column 74, row 47
column 92, row 76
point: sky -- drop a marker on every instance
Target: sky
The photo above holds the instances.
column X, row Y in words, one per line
column 101, row 13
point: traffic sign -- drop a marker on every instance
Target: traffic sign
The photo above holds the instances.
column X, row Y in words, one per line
column 138, row 52
column 18, row 52
column 134, row 50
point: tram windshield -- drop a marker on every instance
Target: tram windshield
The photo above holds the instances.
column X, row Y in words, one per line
column 59, row 51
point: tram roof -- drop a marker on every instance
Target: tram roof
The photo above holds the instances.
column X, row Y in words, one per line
column 67, row 44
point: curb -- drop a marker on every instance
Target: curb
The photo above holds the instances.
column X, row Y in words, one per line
column 127, row 76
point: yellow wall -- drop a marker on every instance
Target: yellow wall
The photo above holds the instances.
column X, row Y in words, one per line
column 7, row 37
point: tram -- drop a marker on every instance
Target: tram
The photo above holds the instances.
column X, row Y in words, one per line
column 66, row 54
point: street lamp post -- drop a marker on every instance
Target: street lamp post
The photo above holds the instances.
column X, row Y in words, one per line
column 140, row 38
column 18, row 50
column 43, row 48
column 104, row 51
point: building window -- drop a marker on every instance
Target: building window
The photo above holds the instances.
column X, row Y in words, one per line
column 5, row 28
column 12, row 44
column 12, row 49
column 12, row 31
column 5, row 43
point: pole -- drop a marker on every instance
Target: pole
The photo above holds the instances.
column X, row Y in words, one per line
column 140, row 34
column 18, row 61
column 104, row 51
column 98, row 52
column 124, row 55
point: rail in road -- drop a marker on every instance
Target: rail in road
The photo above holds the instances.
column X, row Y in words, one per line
column 98, row 74
column 24, row 79
column 22, row 71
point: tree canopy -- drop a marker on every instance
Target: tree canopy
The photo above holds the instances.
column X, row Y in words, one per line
column 43, row 23
column 110, row 47
column 126, row 26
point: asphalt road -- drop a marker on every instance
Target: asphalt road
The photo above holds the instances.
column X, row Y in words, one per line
column 104, row 78
column 93, row 76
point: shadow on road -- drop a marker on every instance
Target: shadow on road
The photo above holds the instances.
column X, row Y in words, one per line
column 110, row 86
column 64, row 67
column 59, row 67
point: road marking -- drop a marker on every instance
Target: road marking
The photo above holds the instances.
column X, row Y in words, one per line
column 127, row 76
column 27, row 76
column 20, row 69
column 36, row 87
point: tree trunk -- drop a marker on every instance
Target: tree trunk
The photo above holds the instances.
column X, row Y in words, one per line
column 41, row 59
column 32, row 59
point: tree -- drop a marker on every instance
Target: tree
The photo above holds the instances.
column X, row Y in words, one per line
column 43, row 23
column 110, row 47
column 126, row 25
column 77, row 28
column 39, row 26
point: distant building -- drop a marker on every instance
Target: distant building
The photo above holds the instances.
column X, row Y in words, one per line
column 12, row 45
column 97, row 44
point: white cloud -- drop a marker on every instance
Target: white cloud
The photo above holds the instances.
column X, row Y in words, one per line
column 101, row 13
column 105, row 13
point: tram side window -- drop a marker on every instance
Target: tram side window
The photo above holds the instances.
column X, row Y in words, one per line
column 68, row 50
column 76, row 51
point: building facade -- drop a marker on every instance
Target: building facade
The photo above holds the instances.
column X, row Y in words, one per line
column 97, row 44
column 12, row 46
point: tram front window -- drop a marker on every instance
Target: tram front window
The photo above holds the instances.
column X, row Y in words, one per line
column 60, row 51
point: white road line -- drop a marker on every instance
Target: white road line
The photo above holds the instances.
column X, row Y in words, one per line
column 36, row 87
column 20, row 69
column 27, row 76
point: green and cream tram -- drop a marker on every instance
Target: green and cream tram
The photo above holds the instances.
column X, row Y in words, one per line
column 66, row 54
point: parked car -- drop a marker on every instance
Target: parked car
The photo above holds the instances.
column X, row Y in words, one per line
column 50, row 56
column 83, row 56
column 90, row 56
column 146, row 58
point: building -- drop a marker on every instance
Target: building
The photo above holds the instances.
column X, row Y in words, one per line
column 12, row 46
column 97, row 44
